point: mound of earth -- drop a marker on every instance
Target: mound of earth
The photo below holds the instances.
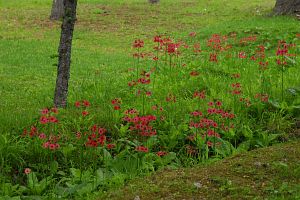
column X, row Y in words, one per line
column 266, row 173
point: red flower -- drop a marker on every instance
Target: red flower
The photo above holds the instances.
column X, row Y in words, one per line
column 157, row 39
column 192, row 34
column 219, row 103
column 45, row 111
column 148, row 93
column 210, row 104
column 213, row 57
column 44, row 120
column 46, row 145
column 242, row 55
column 142, row 149
column 86, row 103
column 27, row 171
column 111, row 146
column 42, row 136
column 138, row 43
column 52, row 119
column 117, row 107
column 85, row 113
column 77, row 104
column 54, row 110
column 194, row 73
column 155, row 58
column 161, row 153
column 172, row 48
column 52, row 146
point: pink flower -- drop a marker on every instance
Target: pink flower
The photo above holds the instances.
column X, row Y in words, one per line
column 46, row 145
column 42, row 136
column 52, row 146
column 43, row 120
column 27, row 171
column 45, row 111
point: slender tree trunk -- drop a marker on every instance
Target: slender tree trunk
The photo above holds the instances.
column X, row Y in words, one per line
column 64, row 50
column 57, row 11
column 286, row 7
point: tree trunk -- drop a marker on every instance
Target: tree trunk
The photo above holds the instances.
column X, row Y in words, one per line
column 57, row 11
column 64, row 50
column 287, row 7
column 153, row 1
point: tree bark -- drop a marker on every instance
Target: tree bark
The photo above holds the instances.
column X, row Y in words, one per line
column 64, row 50
column 153, row 1
column 287, row 7
column 57, row 11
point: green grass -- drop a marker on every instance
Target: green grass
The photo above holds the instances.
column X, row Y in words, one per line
column 269, row 173
column 101, row 43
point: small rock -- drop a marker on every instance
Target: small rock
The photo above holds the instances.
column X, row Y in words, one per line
column 198, row 185
column 258, row 164
column 137, row 198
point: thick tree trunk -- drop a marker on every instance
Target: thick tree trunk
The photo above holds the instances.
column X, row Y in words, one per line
column 64, row 50
column 57, row 11
column 153, row 1
column 287, row 7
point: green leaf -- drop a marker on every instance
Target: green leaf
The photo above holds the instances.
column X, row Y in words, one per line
column 53, row 167
column 76, row 173
column 32, row 180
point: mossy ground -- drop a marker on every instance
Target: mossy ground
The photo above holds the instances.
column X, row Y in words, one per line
column 267, row 173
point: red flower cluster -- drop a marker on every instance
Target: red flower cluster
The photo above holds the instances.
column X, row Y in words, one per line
column 172, row 48
column 116, row 103
column 140, row 124
column 138, row 43
column 200, row 95
column 171, row 98
column 47, row 116
column 282, row 48
column 161, row 153
column 144, row 80
column 246, row 101
column 242, row 55
column 213, row 57
column 84, row 103
column 216, row 41
column 245, row 40
column 262, row 97
column 33, row 131
column 52, row 143
column 142, row 149
column 236, row 88
column 197, row 48
column 96, row 137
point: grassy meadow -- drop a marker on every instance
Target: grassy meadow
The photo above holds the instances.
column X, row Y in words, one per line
column 229, row 65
